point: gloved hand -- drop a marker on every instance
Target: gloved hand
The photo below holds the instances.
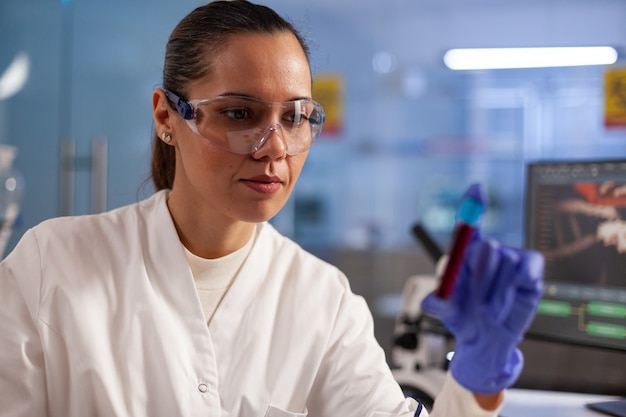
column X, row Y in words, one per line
column 494, row 301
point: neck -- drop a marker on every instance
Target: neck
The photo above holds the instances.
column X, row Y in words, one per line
column 206, row 235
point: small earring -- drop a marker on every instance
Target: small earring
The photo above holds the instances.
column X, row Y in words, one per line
column 165, row 137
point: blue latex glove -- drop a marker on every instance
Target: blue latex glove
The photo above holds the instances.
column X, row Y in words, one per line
column 493, row 302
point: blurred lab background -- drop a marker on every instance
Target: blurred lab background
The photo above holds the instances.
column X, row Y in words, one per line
column 405, row 135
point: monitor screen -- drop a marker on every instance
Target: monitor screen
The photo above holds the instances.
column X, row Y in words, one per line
column 576, row 216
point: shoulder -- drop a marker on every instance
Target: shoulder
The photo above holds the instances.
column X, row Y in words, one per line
column 270, row 237
column 297, row 265
column 117, row 225
column 117, row 216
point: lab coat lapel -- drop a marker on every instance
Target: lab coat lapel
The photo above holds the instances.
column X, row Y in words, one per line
column 166, row 264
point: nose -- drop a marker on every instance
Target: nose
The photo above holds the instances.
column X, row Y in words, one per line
column 271, row 143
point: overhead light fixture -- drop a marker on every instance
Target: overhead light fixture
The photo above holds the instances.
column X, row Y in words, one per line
column 501, row 58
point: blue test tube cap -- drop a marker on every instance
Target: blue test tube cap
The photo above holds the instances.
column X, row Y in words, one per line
column 473, row 205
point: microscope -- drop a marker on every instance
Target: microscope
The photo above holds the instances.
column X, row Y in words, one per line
column 421, row 344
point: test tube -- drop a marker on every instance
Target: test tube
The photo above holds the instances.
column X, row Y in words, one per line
column 468, row 219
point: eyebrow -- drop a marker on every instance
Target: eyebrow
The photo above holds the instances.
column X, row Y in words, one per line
column 250, row 96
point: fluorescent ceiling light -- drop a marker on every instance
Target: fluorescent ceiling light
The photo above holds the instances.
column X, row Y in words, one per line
column 499, row 58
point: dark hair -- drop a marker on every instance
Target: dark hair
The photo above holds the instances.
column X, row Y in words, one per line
column 193, row 44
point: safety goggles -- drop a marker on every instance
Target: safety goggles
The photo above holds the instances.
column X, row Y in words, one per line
column 242, row 124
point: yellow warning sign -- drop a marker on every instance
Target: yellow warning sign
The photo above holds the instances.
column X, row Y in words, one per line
column 328, row 91
column 615, row 97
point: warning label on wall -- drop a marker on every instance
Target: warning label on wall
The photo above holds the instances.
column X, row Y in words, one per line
column 328, row 91
column 615, row 97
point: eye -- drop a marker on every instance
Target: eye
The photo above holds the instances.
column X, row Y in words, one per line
column 300, row 112
column 238, row 113
column 295, row 118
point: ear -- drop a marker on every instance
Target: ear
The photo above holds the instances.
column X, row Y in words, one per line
column 162, row 113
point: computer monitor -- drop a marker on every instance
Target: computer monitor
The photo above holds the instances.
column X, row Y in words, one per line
column 576, row 216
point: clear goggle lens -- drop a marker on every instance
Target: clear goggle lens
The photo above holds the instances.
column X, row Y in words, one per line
column 242, row 125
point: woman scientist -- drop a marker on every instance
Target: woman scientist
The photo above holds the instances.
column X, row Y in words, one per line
column 190, row 304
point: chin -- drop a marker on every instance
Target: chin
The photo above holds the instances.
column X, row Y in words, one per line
column 260, row 215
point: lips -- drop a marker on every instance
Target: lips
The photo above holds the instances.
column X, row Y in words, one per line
column 263, row 184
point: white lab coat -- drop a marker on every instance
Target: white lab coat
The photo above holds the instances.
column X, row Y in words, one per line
column 99, row 316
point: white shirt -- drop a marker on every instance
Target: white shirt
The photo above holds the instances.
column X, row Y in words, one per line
column 100, row 316
column 214, row 276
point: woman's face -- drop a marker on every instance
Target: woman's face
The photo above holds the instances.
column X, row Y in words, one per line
column 230, row 187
